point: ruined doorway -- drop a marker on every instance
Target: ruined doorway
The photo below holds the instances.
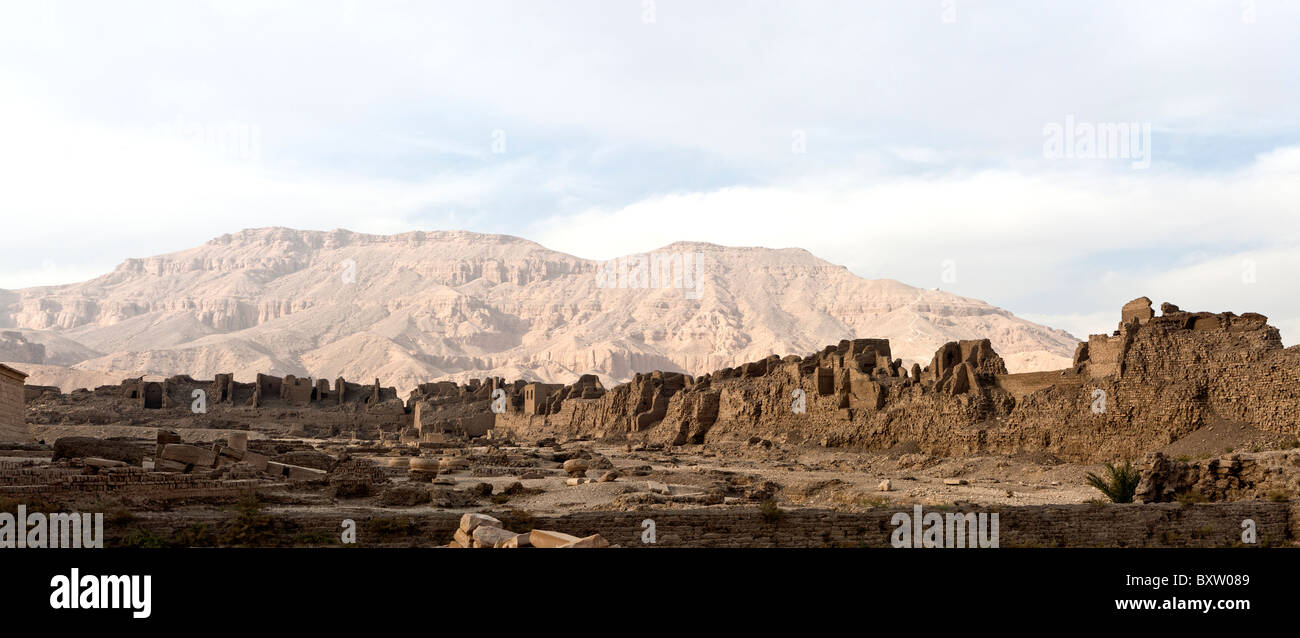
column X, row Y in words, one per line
column 153, row 396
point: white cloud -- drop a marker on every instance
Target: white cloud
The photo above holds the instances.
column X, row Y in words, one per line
column 376, row 117
column 1073, row 247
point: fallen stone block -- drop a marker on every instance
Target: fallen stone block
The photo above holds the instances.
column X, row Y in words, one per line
column 610, row 476
column 164, row 437
column 884, row 486
column 163, row 465
column 576, row 481
column 189, row 455
column 595, row 540
column 258, row 461
column 308, row 458
column 955, row 482
column 470, row 522
column 299, row 473
column 516, row 541
column 486, row 536
column 544, row 538
column 97, row 462
column 657, row 487
column 463, row 539
column 227, row 454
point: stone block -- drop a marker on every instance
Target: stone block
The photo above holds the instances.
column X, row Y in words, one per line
column 489, row 536
column 593, row 541
column 189, row 455
column 545, row 538
column 472, row 521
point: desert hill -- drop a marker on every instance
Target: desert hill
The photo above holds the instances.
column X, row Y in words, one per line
column 420, row 306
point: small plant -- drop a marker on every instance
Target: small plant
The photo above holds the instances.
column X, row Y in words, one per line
column 196, row 535
column 1119, row 484
column 1190, row 498
column 1279, row 496
column 1289, row 443
column 770, row 511
column 250, row 527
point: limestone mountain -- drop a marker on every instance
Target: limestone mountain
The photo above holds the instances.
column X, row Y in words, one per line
column 421, row 306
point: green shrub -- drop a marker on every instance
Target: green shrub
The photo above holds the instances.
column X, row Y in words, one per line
column 1119, row 483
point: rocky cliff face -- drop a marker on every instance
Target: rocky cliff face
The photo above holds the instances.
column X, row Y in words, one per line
column 419, row 306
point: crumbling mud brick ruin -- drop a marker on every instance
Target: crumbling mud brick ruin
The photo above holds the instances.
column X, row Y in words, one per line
column 13, row 427
column 723, row 449
column 1161, row 378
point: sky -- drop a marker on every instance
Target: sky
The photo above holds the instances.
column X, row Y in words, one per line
column 1056, row 159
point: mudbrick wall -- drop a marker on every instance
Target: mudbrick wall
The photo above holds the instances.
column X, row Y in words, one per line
column 1156, row 379
column 13, row 425
column 1267, row 475
column 1151, row 382
column 1156, row 525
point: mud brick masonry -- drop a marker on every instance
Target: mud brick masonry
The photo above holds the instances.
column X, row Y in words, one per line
column 1162, row 377
column 13, row 416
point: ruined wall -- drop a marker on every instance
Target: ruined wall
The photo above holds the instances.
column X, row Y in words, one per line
column 285, row 405
column 13, row 413
column 1155, row 380
column 1151, row 382
column 1255, row 476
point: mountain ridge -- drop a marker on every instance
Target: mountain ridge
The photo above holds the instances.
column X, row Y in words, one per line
column 427, row 305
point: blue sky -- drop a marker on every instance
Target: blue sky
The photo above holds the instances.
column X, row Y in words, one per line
column 890, row 137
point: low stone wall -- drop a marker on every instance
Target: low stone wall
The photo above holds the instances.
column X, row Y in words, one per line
column 1156, row 525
